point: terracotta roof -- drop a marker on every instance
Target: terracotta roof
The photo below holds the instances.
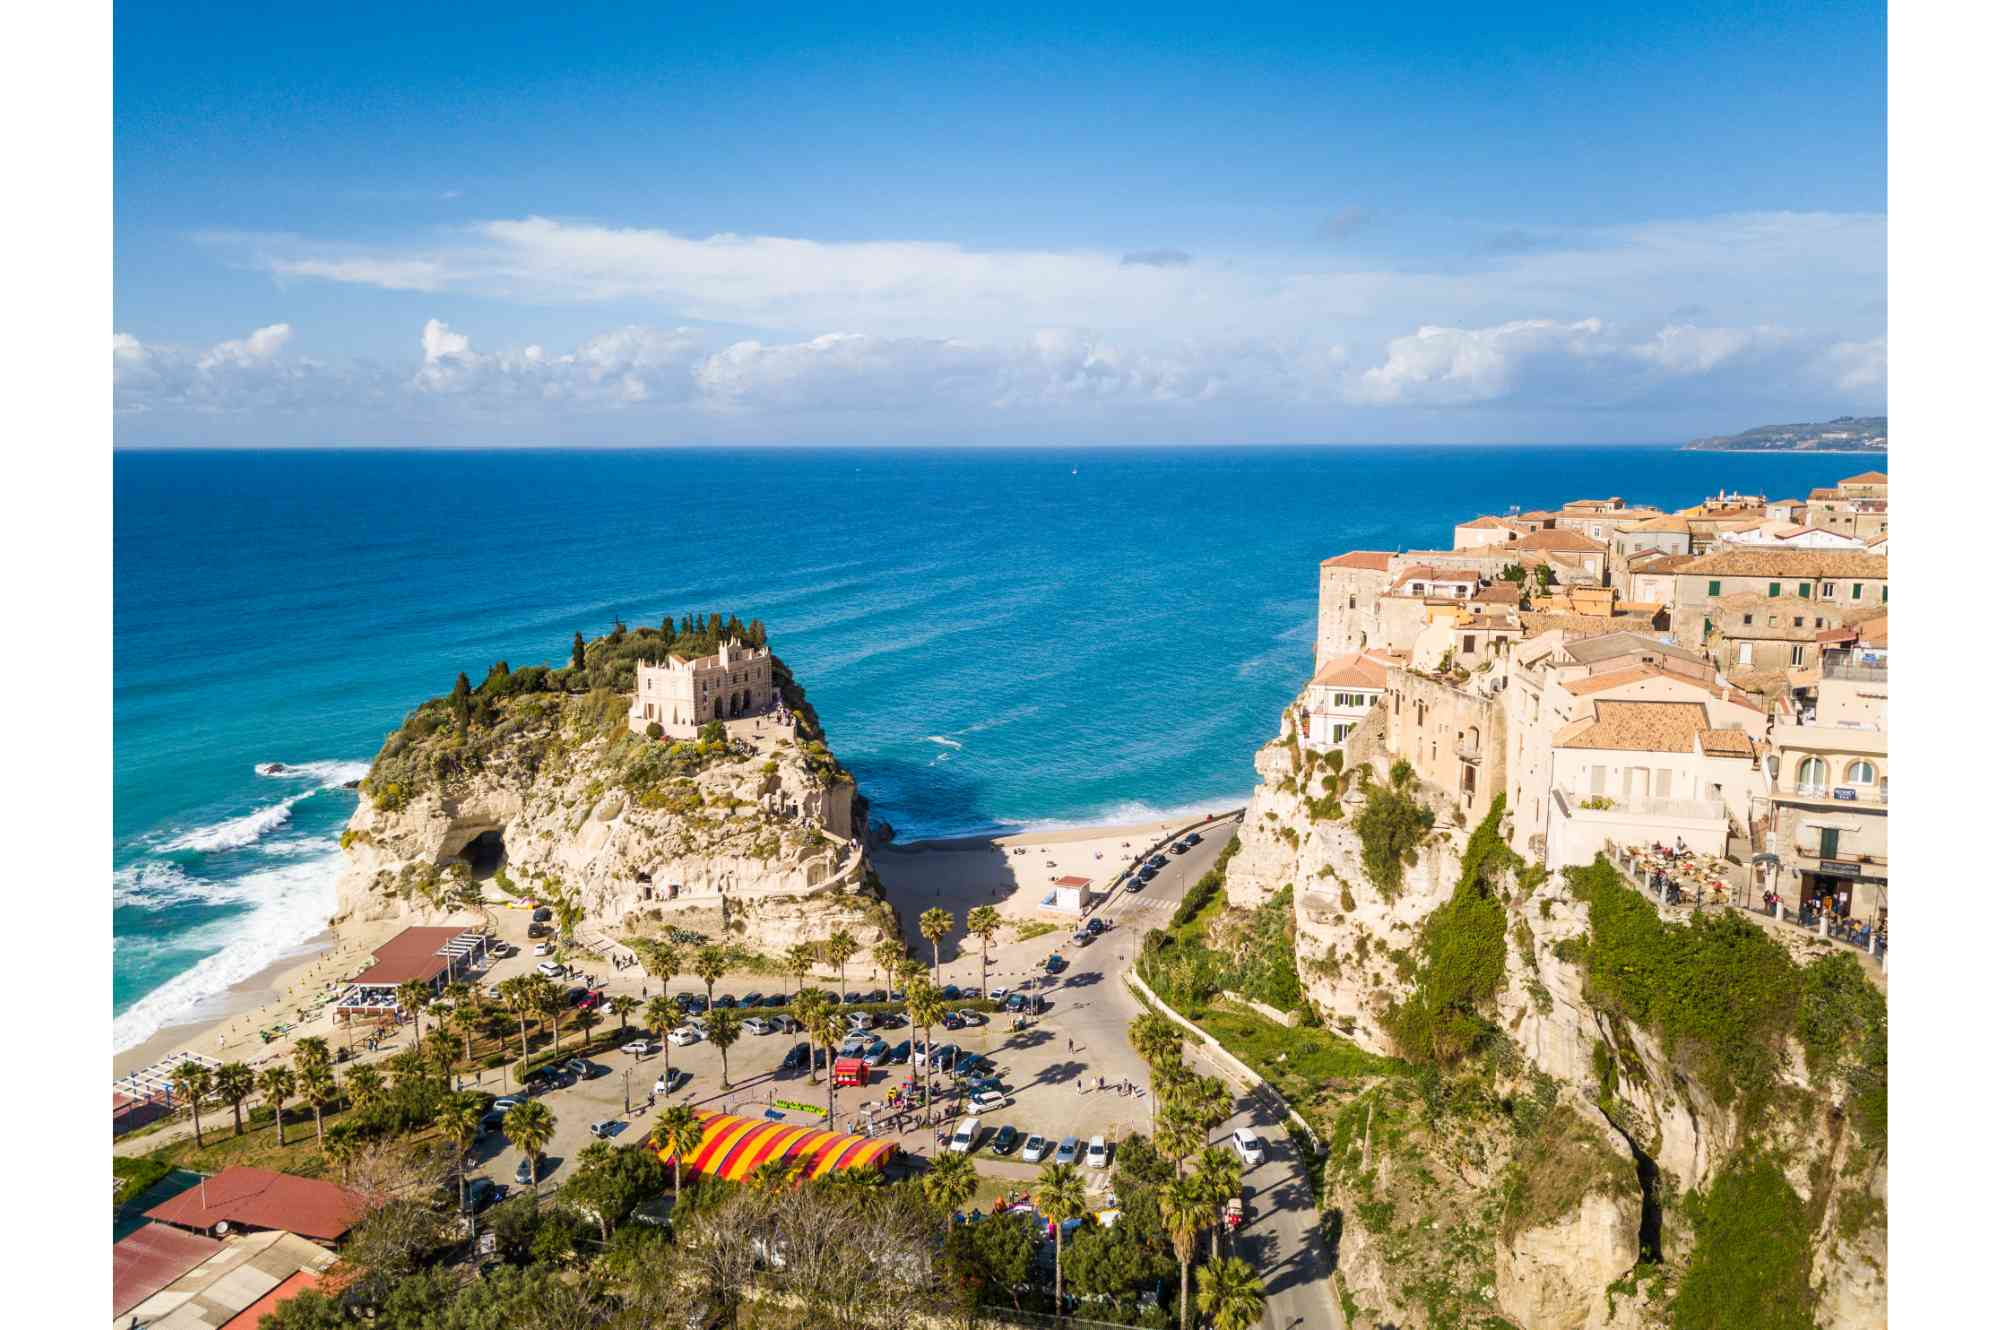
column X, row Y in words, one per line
column 1784, row 503
column 1536, row 622
column 1734, row 742
column 1426, row 573
column 1485, row 524
column 1651, row 727
column 1560, row 539
column 1375, row 560
column 1867, row 478
column 1072, row 880
column 1357, row 669
column 411, row 954
column 1617, row 644
column 1500, row 593
column 259, row 1198
column 253, row 1315
column 1659, row 563
column 1597, row 683
column 1823, row 493
column 1778, row 564
column 1672, row 522
column 148, row 1260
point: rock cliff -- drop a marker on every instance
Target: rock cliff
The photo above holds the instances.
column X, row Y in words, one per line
column 753, row 836
column 1602, row 1117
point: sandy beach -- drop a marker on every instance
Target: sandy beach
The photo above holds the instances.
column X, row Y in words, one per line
column 1011, row 872
column 270, row 997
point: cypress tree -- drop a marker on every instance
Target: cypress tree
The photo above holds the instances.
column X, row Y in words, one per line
column 735, row 629
column 667, row 630
column 714, row 630
column 576, row 653
column 757, row 638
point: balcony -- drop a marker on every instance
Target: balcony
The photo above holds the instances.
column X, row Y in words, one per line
column 1467, row 751
column 1872, row 796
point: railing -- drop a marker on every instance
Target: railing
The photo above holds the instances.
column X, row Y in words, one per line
column 1842, row 794
column 1468, row 752
column 1693, row 810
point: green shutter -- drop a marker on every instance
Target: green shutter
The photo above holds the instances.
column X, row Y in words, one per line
column 1715, row 588
column 1774, row 589
column 1857, row 591
column 1805, row 590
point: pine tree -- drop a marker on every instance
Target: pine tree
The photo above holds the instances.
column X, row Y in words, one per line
column 576, row 653
column 714, row 630
column 617, row 631
column 757, row 637
column 735, row 629
column 667, row 630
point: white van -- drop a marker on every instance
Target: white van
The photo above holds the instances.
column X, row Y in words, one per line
column 1249, row 1145
column 965, row 1137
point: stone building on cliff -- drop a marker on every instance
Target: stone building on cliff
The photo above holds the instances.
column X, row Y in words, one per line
column 680, row 696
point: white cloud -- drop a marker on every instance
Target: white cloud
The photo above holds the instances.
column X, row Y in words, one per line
column 1859, row 366
column 256, row 349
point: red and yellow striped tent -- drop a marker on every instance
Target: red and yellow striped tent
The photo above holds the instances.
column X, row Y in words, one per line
column 733, row 1148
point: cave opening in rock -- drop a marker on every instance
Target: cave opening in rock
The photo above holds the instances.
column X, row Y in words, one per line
column 1649, row 1195
column 484, row 853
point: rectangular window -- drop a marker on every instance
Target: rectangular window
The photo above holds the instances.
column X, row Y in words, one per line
column 1746, row 621
column 1774, row 589
column 1805, row 591
column 1798, row 621
column 1829, row 842
column 1715, row 588
column 1798, row 654
column 1857, row 591
column 1826, row 588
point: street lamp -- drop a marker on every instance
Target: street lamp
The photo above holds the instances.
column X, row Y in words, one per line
column 628, row 1092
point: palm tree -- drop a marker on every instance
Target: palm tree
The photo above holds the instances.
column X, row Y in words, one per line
column 1180, row 1134
column 316, row 1087
column 1220, row 1174
column 277, row 1084
column 661, row 960
column 518, row 996
column 1058, row 1193
column 799, row 959
column 934, row 924
column 823, row 1027
column 413, row 995
column 1211, row 1103
column 343, row 1143
column 1184, row 1210
column 622, row 1007
column 530, row 1126
column 585, row 1021
column 364, row 1086
column 840, row 947
column 678, row 1131
column 1158, row 1040
column 458, row 1119
column 1231, row 1294
column 549, row 1006
column 193, row 1081
column 892, row 958
column 440, row 1052
column 466, row 1017
column 234, row 1083
column 569, row 913
column 661, row 1016
column 927, row 1008
column 710, row 964
column 984, row 923
column 949, row 1183
column 725, row 1027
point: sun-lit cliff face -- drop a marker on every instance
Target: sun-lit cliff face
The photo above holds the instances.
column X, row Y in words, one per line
column 1599, row 1117
column 752, row 834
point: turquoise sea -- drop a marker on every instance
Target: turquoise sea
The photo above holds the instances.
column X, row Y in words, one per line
column 993, row 638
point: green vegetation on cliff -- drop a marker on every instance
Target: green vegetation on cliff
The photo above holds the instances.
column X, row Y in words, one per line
column 1392, row 824
column 528, row 717
column 1752, row 1257
column 1461, row 956
column 1210, row 947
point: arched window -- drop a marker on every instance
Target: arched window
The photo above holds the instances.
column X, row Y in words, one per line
column 1812, row 773
column 1860, row 773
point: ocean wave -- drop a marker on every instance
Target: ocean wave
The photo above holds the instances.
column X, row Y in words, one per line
column 1127, row 813
column 332, row 773
column 238, row 832
column 153, row 883
column 290, row 904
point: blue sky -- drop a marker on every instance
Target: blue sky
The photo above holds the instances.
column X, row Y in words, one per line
column 704, row 223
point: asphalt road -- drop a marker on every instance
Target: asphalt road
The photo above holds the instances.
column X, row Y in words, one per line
column 1280, row 1236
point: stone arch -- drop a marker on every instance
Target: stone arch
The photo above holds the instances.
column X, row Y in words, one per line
column 718, row 707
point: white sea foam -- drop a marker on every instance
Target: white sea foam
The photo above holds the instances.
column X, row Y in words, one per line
column 1129, row 813
column 238, row 832
column 289, row 903
column 940, row 739
column 331, row 773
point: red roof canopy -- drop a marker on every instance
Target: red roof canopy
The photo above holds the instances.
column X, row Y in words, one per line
column 145, row 1262
column 259, row 1198
column 411, row 954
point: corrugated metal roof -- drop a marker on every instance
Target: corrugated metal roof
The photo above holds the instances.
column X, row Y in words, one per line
column 151, row 1258
column 263, row 1199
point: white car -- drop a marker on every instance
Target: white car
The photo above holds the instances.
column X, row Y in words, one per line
column 1098, row 1155
column 966, row 1137
column 758, row 1025
column 638, row 1048
column 1036, row 1149
column 987, row 1101
column 684, row 1035
column 1249, row 1145
column 545, row 949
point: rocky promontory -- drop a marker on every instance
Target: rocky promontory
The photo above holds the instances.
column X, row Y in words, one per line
column 532, row 782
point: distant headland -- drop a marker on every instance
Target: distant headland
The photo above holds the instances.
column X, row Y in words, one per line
column 1843, row 434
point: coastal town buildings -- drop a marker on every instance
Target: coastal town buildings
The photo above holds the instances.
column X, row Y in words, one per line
column 1713, row 678
column 680, row 695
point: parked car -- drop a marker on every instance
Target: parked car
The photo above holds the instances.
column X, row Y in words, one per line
column 950, row 992
column 1178, row 847
column 788, row 1025
column 876, row 1053
column 876, row 995
column 751, row 1000
column 776, row 1000
column 971, row 1017
column 901, row 1052
column 542, row 914
column 724, row 1000
column 1017, row 1002
column 1005, row 1140
column 1035, row 1148
column 998, row 991
column 684, row 1035
column 524, row 1172
column 590, row 1001
column 1066, row 1151
column 1095, row 925
column 576, row 1067
column 1148, row 873
column 1193, row 839
column 983, row 1084
column 851, row 1046
column 895, row 995
column 672, row 1081
column 639, row 1048
column 966, row 1138
column 943, row 1055
column 758, row 1025
column 796, row 1059
column 1083, row 937
column 1249, row 1145
column 989, row 1101
column 953, row 1021
column 1056, row 965
column 1098, row 1155
column 483, row 1194
column 1157, row 861
column 860, row 1020
column 850, row 997
column 1136, row 884
column 606, row 1129
column 549, row 968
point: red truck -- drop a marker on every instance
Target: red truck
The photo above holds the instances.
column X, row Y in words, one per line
column 850, row 1071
